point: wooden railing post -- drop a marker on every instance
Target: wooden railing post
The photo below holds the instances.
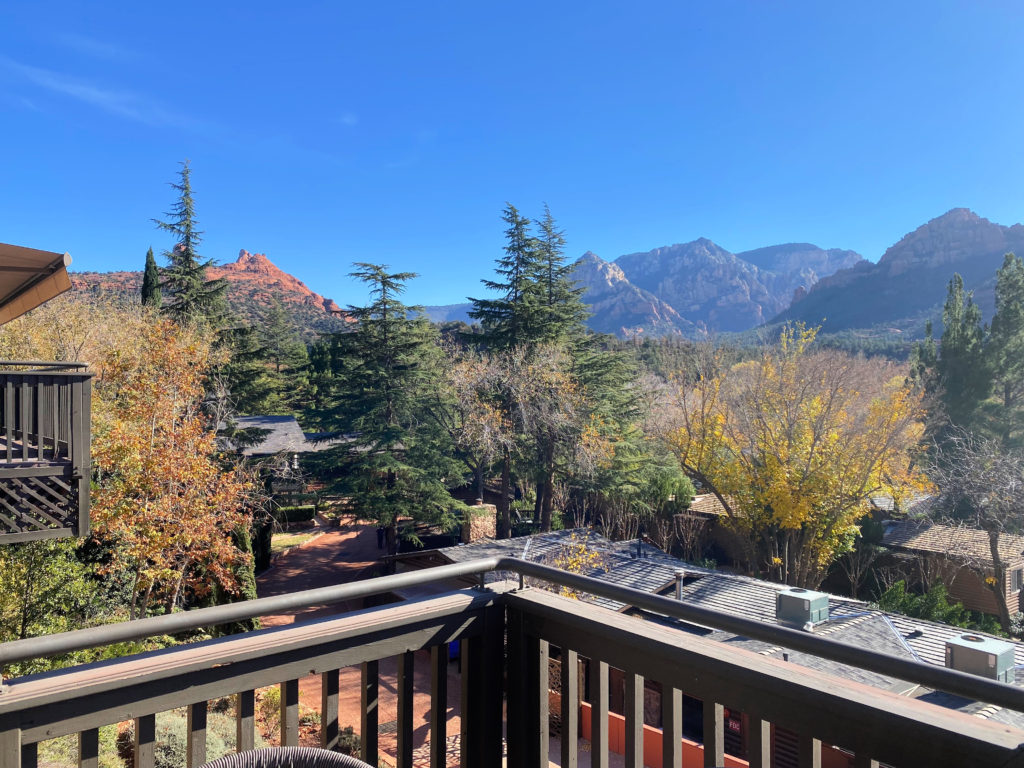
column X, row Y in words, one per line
column 89, row 748
column 439, row 706
column 195, row 750
column 471, row 670
column 671, row 727
column 570, row 708
column 759, row 742
column 245, row 721
column 145, row 738
column 634, row 721
column 528, row 717
column 598, row 684
column 329, row 727
column 10, row 748
column 290, row 713
column 810, row 751
column 714, row 734
column 368, row 700
column 406, row 678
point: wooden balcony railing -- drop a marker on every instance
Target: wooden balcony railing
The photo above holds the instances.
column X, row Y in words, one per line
column 508, row 635
column 44, row 450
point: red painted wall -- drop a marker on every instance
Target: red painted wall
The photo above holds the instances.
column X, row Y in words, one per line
column 693, row 753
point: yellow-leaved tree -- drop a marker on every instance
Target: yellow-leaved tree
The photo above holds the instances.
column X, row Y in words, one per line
column 794, row 443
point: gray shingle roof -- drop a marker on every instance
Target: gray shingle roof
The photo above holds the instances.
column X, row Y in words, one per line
column 851, row 621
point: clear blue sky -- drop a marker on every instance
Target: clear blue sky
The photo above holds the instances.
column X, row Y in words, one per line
column 327, row 133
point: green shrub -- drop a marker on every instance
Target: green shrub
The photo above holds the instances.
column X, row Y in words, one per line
column 64, row 751
column 348, row 741
column 172, row 738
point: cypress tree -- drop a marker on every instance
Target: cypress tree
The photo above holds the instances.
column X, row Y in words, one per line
column 192, row 296
column 151, row 282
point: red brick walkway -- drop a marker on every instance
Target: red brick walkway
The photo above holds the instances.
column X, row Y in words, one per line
column 337, row 556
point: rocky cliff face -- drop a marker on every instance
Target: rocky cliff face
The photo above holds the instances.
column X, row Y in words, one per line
column 620, row 307
column 716, row 290
column 908, row 284
column 254, row 282
column 265, row 281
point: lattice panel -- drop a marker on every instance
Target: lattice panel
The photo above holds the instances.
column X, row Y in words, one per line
column 38, row 507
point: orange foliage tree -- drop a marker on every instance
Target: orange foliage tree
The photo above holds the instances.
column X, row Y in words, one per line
column 164, row 498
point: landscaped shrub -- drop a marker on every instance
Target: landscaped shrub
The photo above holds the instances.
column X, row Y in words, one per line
column 348, row 741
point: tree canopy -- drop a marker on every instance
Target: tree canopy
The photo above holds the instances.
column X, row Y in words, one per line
column 793, row 443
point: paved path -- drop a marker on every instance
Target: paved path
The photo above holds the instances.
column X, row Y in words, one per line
column 338, row 556
column 334, row 556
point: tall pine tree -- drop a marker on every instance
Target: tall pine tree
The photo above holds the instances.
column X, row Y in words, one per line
column 562, row 312
column 962, row 366
column 511, row 319
column 1005, row 354
column 151, row 282
column 192, row 296
column 396, row 463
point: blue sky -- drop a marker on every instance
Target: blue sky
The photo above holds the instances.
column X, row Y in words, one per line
column 327, row 133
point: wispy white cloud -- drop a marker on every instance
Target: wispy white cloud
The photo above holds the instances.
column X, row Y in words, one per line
column 122, row 103
column 91, row 46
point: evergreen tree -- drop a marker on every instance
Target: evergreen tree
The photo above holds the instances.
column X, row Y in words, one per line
column 511, row 319
column 562, row 312
column 961, row 365
column 192, row 296
column 151, row 283
column 397, row 462
column 1005, row 354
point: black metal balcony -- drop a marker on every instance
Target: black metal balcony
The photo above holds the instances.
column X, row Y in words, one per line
column 508, row 633
column 44, row 450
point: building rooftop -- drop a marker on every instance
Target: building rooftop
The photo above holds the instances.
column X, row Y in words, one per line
column 850, row 621
column 970, row 544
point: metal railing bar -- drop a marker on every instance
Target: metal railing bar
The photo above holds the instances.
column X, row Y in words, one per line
column 141, row 629
column 47, row 364
column 933, row 676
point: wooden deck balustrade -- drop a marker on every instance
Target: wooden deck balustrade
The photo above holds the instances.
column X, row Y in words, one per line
column 507, row 634
column 44, row 450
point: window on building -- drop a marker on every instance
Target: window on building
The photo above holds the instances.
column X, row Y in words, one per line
column 1017, row 579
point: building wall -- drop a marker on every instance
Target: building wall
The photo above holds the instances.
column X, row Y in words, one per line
column 968, row 588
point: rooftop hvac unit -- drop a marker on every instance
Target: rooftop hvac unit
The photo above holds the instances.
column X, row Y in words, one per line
column 983, row 656
column 800, row 607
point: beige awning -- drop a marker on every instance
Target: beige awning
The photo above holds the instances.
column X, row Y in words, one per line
column 29, row 278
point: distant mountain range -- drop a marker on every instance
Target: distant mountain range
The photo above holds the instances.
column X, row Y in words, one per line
column 695, row 289
column 907, row 286
column 692, row 289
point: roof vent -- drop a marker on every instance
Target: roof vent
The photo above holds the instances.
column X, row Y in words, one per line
column 983, row 656
column 800, row 607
